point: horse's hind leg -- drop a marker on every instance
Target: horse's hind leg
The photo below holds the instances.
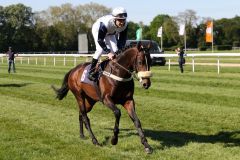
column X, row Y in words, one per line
column 130, row 107
column 81, row 126
column 117, row 114
column 88, row 126
column 83, row 118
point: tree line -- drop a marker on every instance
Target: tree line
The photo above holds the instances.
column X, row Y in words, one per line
column 56, row 28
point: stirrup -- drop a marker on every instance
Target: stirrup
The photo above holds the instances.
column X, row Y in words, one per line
column 92, row 76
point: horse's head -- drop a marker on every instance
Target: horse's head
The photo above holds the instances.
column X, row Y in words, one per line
column 142, row 64
column 133, row 59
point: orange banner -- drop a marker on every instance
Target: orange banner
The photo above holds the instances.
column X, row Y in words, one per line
column 209, row 32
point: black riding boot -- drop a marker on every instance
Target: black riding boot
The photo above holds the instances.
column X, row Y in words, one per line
column 92, row 75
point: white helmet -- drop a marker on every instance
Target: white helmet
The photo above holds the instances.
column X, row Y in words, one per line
column 119, row 13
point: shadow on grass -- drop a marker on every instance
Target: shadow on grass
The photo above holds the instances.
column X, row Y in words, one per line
column 14, row 85
column 179, row 139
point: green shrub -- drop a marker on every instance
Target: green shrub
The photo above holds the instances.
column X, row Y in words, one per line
column 224, row 47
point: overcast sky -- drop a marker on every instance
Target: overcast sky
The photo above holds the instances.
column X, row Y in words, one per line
column 146, row 10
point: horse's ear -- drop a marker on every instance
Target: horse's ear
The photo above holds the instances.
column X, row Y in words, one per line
column 149, row 45
column 139, row 45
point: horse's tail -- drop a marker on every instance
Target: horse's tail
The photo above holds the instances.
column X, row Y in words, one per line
column 62, row 92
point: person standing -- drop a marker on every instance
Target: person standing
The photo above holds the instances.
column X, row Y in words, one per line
column 139, row 33
column 181, row 59
column 110, row 34
column 11, row 59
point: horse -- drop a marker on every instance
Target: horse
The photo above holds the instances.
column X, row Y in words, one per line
column 114, row 86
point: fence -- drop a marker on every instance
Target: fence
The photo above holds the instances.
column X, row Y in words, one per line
column 216, row 55
column 37, row 57
column 26, row 57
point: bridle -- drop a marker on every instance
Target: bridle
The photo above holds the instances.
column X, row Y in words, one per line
column 134, row 74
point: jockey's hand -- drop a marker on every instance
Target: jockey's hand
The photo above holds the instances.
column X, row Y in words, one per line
column 111, row 56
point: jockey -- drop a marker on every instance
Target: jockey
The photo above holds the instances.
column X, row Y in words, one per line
column 110, row 34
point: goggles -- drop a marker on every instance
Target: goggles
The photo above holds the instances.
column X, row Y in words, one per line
column 122, row 16
column 120, row 20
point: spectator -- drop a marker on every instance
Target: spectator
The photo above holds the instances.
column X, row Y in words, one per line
column 11, row 59
column 181, row 59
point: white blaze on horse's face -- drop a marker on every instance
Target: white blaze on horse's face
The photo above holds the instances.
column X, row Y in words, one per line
column 143, row 69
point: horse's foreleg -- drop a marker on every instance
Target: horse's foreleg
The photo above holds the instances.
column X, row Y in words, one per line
column 117, row 114
column 130, row 107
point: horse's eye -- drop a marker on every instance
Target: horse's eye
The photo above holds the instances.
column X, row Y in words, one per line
column 140, row 62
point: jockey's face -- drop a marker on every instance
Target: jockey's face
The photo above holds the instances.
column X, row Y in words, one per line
column 120, row 22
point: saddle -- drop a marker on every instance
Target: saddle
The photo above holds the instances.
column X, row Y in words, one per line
column 99, row 70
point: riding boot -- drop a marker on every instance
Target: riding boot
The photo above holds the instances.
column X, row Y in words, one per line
column 92, row 75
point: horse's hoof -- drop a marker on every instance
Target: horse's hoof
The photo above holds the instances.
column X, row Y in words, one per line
column 95, row 142
column 114, row 140
column 82, row 137
column 148, row 150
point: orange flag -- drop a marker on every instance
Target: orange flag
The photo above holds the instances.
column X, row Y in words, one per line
column 209, row 31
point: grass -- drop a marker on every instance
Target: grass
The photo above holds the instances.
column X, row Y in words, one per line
column 184, row 116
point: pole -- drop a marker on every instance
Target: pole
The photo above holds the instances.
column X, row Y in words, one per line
column 212, row 36
column 169, row 64
column 161, row 43
column 185, row 40
column 193, row 64
column 160, row 34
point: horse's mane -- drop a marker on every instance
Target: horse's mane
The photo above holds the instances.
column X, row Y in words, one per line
column 124, row 49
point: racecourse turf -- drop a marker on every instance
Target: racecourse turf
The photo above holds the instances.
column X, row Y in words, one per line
column 184, row 116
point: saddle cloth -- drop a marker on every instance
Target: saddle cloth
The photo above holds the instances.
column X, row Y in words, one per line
column 84, row 77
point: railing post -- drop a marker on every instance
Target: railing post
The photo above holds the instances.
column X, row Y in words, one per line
column 44, row 61
column 193, row 65
column 218, row 65
column 75, row 61
column 54, row 61
column 169, row 64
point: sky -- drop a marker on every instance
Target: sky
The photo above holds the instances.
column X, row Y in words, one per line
column 146, row 10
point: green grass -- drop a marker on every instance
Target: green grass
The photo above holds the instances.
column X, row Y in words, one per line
column 184, row 116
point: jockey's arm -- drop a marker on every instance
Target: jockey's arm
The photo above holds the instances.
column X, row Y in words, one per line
column 122, row 38
column 101, row 36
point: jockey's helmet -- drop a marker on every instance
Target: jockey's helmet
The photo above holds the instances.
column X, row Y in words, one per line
column 119, row 13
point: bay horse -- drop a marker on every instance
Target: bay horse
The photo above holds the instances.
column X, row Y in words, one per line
column 115, row 86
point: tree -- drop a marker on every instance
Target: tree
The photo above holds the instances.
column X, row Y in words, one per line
column 17, row 25
column 169, row 30
column 89, row 13
column 2, row 21
column 189, row 18
column 67, row 21
column 132, row 27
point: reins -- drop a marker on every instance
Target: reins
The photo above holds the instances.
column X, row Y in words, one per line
column 138, row 76
column 133, row 73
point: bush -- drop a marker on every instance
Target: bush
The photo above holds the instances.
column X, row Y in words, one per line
column 224, row 47
column 202, row 48
column 236, row 44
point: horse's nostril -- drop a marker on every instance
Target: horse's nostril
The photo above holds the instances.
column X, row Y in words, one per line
column 145, row 85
